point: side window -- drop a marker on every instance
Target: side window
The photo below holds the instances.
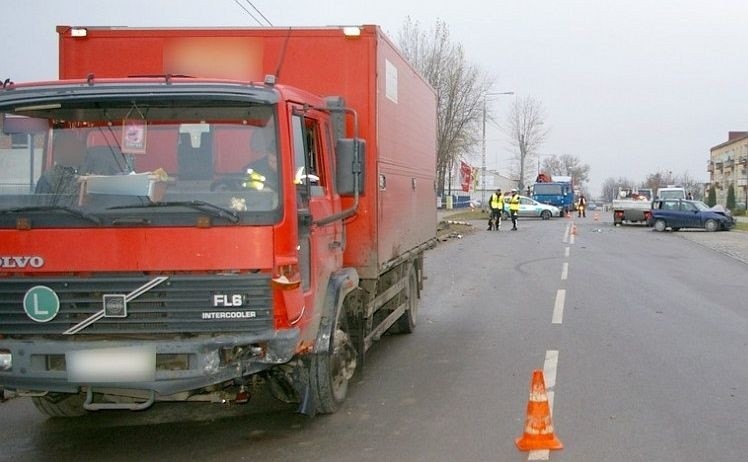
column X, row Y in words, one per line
column 687, row 207
column 307, row 151
column 299, row 147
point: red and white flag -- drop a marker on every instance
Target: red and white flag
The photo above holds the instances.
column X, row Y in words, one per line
column 466, row 176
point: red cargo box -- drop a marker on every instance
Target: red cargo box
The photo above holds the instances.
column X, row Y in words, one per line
column 395, row 105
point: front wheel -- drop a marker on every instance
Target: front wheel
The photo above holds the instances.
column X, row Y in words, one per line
column 660, row 225
column 711, row 225
column 331, row 371
column 545, row 215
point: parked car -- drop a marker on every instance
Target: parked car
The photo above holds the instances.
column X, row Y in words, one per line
column 680, row 213
column 531, row 208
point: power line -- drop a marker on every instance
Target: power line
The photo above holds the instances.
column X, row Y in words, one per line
column 260, row 23
column 260, row 13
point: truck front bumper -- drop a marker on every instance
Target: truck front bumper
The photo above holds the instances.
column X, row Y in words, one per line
column 176, row 365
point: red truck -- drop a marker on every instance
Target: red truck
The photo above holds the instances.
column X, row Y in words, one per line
column 187, row 210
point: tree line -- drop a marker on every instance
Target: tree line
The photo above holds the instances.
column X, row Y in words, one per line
column 462, row 89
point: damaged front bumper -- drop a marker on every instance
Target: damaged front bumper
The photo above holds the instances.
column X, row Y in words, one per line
column 165, row 367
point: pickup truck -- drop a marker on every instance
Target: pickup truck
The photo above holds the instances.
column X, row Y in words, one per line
column 632, row 206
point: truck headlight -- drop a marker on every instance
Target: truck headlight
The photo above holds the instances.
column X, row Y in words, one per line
column 6, row 360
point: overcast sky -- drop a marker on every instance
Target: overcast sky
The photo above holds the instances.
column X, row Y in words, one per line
column 630, row 87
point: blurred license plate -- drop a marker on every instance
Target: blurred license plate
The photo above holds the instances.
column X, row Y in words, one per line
column 126, row 364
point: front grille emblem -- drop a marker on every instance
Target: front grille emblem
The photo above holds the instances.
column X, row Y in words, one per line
column 115, row 305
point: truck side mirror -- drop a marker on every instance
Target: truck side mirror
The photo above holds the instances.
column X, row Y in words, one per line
column 349, row 165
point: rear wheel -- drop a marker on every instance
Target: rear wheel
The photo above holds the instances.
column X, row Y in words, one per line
column 711, row 225
column 407, row 322
column 660, row 225
column 61, row 404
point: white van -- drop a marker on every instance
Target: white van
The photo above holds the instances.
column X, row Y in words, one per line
column 671, row 192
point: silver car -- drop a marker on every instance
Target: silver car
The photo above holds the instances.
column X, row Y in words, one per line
column 529, row 207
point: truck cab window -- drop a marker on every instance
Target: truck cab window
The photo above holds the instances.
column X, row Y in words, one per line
column 308, row 175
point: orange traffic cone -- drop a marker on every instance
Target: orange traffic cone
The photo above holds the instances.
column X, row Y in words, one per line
column 573, row 230
column 538, row 432
column 597, row 216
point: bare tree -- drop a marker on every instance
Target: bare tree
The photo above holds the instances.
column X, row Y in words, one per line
column 459, row 85
column 611, row 186
column 661, row 179
column 567, row 165
column 527, row 134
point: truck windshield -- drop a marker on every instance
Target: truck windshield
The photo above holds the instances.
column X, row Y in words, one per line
column 545, row 189
column 112, row 165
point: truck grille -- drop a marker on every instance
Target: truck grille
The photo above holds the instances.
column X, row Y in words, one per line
column 174, row 306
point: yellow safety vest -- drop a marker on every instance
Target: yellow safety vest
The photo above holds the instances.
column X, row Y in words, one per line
column 497, row 202
column 514, row 203
column 254, row 180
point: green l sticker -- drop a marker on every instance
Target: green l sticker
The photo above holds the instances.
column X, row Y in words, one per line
column 41, row 303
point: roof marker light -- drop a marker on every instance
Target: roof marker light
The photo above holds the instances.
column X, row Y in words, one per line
column 78, row 32
column 352, row 31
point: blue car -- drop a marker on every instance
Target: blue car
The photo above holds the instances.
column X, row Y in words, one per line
column 680, row 213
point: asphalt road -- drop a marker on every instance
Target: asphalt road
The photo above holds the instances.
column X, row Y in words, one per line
column 643, row 337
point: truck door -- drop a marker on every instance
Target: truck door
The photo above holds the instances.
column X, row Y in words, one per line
column 320, row 246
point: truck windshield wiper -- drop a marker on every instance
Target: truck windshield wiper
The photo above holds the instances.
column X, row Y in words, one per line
column 54, row 208
column 213, row 209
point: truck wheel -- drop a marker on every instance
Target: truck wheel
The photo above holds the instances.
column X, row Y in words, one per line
column 407, row 322
column 330, row 372
column 711, row 225
column 660, row 225
column 61, row 404
column 545, row 215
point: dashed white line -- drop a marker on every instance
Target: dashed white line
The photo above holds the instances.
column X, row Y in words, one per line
column 565, row 271
column 558, row 307
column 566, row 253
column 549, row 368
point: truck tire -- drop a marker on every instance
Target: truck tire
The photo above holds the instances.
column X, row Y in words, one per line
column 660, row 225
column 61, row 404
column 331, row 371
column 407, row 322
column 711, row 225
column 545, row 215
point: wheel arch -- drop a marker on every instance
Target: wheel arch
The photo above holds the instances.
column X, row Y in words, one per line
column 341, row 283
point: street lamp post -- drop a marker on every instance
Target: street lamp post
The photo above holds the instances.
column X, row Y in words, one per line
column 483, row 147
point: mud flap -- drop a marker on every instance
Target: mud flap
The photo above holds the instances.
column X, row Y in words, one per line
column 308, row 403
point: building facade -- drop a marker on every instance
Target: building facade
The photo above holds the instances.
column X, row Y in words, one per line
column 728, row 165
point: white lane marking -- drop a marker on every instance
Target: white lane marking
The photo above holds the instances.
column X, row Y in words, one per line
column 549, row 368
column 558, row 307
column 539, row 454
column 566, row 253
column 565, row 271
column 566, row 234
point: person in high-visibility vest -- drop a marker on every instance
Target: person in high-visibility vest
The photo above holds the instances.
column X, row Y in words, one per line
column 514, row 208
column 582, row 206
column 496, row 205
